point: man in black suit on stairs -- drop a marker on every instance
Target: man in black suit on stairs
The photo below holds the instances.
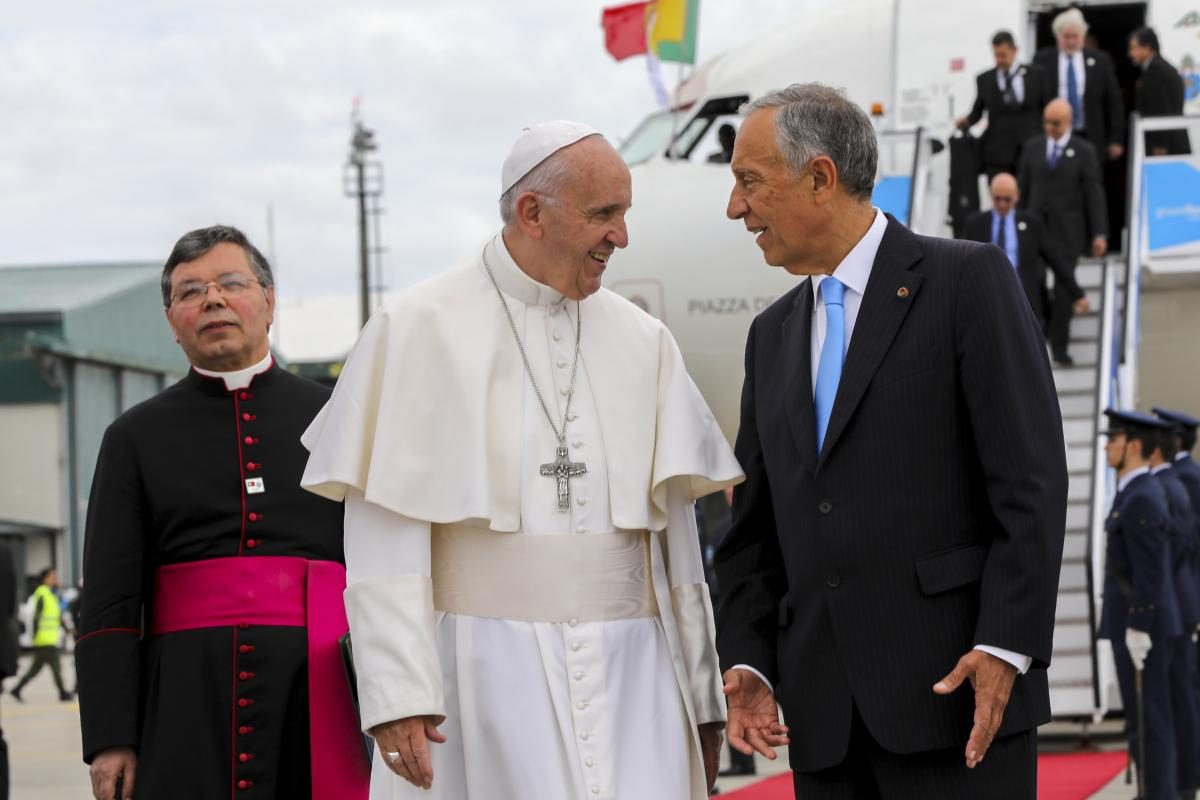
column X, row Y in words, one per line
column 1159, row 93
column 1013, row 96
column 1060, row 185
column 1024, row 240
column 892, row 567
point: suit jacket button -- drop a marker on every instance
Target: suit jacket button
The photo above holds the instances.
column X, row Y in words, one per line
column 825, row 507
column 833, row 581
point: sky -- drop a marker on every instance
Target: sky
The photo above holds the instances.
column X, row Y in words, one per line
column 127, row 124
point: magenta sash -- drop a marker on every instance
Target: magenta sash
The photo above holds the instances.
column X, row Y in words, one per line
column 293, row 592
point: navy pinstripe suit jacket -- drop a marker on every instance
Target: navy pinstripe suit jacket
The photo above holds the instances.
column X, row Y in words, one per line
column 931, row 521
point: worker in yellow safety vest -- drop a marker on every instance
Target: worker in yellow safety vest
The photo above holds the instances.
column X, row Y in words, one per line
column 47, row 620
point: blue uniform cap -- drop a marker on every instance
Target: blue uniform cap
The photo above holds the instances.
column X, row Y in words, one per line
column 1125, row 421
column 1178, row 419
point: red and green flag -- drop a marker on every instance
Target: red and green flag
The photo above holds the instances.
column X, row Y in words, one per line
column 665, row 29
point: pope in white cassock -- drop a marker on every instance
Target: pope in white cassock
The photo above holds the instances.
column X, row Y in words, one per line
column 519, row 451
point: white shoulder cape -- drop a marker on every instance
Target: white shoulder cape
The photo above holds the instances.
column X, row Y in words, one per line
column 426, row 417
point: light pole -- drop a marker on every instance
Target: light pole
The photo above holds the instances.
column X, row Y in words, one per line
column 360, row 180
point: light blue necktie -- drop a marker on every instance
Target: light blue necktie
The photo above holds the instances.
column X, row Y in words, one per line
column 1073, row 93
column 833, row 352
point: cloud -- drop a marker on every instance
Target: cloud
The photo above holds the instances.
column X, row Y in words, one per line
column 128, row 124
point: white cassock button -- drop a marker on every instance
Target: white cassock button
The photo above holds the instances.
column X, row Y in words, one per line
column 576, row 646
column 562, row 363
column 556, row 336
column 572, row 417
column 566, row 390
column 582, row 706
column 578, row 674
column 595, row 790
column 584, row 735
column 584, row 530
column 553, row 310
column 577, row 443
column 582, row 501
column 572, row 622
column 591, row 762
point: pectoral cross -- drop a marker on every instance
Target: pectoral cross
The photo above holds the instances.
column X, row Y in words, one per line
column 562, row 469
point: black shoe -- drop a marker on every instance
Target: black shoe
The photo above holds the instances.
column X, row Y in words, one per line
column 66, row 697
column 1064, row 360
column 17, row 694
column 738, row 769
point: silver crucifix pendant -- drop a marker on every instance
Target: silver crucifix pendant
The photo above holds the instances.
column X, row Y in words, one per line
column 563, row 469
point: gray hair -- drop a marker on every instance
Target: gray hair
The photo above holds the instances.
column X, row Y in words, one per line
column 548, row 177
column 1071, row 18
column 817, row 120
column 194, row 244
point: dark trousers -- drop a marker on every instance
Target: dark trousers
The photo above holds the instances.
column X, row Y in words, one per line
column 1008, row 772
column 1186, row 706
column 1062, row 311
column 43, row 656
column 1160, row 769
column 3, row 767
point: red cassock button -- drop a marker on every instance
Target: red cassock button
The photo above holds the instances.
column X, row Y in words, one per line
column 245, row 729
column 244, row 757
column 243, row 675
column 245, row 395
column 246, row 648
column 249, row 440
column 253, row 516
column 245, row 784
column 252, row 466
column 252, row 543
column 248, row 417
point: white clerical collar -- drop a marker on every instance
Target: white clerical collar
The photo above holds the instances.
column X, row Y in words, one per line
column 514, row 281
column 1160, row 468
column 855, row 269
column 1180, row 456
column 239, row 378
column 1128, row 477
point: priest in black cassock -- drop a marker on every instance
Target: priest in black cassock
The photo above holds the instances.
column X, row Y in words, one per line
column 207, row 654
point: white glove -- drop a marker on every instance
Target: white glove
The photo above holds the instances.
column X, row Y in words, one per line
column 1139, row 645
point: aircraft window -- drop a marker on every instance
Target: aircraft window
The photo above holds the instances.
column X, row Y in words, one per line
column 698, row 139
column 651, row 137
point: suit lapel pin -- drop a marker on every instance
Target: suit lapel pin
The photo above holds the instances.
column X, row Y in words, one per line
column 902, row 292
column 1070, row 153
column 1021, row 71
column 1091, row 62
column 1022, row 226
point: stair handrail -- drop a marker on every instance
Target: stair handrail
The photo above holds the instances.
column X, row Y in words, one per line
column 1106, row 391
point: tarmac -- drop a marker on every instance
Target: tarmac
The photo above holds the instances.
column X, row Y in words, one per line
column 46, row 763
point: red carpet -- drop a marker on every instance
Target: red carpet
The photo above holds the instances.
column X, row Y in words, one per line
column 1061, row 776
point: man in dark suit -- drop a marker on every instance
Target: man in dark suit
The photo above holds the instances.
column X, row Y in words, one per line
column 1013, row 96
column 1140, row 614
column 1159, row 93
column 892, row 567
column 1185, row 439
column 1060, row 184
column 1023, row 239
column 1087, row 80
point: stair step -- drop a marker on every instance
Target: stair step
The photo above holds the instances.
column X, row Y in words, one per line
column 1077, row 405
column 1079, row 459
column 1073, row 577
column 1073, row 702
column 1080, row 431
column 1075, row 379
column 1071, row 605
column 1078, row 515
column 1075, row 545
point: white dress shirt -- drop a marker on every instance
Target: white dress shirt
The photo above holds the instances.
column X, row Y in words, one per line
column 239, row 378
column 1060, row 143
column 1018, row 81
column 854, row 272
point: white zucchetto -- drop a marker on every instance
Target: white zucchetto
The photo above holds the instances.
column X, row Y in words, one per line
column 537, row 143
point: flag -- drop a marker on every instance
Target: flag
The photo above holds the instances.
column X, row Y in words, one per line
column 625, row 29
column 673, row 35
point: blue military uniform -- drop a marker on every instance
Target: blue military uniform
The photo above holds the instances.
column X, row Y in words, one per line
column 1139, row 593
column 1184, row 474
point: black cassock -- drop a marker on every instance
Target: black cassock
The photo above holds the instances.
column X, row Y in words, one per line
column 219, row 711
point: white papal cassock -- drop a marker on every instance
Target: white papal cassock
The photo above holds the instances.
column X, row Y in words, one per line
column 434, row 433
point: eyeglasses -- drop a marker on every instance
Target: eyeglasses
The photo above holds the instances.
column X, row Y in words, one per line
column 231, row 284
